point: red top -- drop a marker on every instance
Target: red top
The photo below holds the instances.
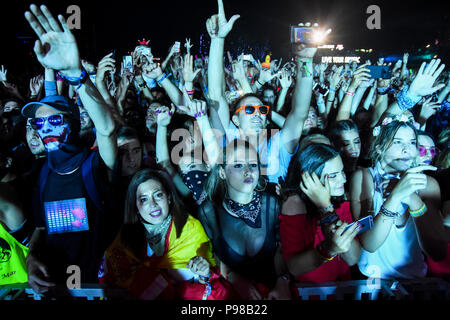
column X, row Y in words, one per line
column 299, row 233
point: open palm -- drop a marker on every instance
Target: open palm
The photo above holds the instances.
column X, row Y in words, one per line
column 56, row 48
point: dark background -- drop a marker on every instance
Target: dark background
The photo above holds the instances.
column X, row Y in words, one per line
column 264, row 26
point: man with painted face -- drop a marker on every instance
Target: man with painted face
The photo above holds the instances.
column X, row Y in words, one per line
column 74, row 225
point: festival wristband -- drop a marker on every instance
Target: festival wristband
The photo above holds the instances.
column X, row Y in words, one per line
column 77, row 81
column 405, row 100
column 420, row 212
column 350, row 93
column 164, row 77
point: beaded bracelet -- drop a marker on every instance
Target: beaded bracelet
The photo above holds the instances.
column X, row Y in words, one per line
column 420, row 212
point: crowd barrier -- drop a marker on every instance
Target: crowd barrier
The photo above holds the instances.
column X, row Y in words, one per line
column 376, row 289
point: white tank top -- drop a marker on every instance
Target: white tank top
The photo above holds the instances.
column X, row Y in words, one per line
column 400, row 256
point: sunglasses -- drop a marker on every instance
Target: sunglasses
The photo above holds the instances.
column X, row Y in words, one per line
column 249, row 110
column 55, row 120
column 423, row 151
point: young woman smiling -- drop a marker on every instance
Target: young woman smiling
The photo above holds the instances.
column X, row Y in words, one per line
column 404, row 203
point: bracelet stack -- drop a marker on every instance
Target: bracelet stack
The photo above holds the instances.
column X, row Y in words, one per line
column 420, row 212
column 387, row 213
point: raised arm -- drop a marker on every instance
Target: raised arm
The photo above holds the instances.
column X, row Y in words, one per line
column 218, row 28
column 422, row 85
column 361, row 74
column 57, row 49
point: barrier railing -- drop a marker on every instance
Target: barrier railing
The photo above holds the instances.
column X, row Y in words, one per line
column 378, row 289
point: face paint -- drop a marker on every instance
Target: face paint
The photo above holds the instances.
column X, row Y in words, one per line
column 54, row 136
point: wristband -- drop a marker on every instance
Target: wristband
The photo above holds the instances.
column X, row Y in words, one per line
column 323, row 253
column 326, row 209
column 77, row 81
column 350, row 93
column 190, row 92
column 164, row 77
column 329, row 218
column 405, row 100
column 420, row 212
column 207, row 291
column 383, row 91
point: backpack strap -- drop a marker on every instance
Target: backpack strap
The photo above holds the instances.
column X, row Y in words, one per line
column 89, row 182
column 43, row 180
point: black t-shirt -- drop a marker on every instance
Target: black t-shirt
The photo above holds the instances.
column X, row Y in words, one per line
column 83, row 248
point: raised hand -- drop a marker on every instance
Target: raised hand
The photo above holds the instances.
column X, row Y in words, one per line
column 285, row 79
column 422, row 84
column 217, row 25
column 107, row 64
column 194, row 108
column 3, row 73
column 335, row 77
column 428, row 109
column 188, row 46
column 152, row 71
column 56, row 48
column 360, row 75
column 36, row 85
column 164, row 115
column 188, row 69
column 265, row 75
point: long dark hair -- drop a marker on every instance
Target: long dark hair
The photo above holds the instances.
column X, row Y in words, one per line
column 133, row 231
column 310, row 159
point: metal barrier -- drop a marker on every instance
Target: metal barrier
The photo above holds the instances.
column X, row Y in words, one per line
column 418, row 289
column 423, row 289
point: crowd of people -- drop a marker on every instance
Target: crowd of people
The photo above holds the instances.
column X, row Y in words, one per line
column 220, row 177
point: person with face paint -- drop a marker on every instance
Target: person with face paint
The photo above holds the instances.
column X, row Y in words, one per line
column 314, row 217
column 405, row 204
column 74, row 224
column 242, row 223
column 427, row 149
column 160, row 242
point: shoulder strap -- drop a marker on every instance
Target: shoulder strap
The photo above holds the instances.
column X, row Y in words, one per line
column 89, row 182
column 43, row 180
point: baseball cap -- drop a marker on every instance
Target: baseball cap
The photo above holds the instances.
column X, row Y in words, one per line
column 59, row 103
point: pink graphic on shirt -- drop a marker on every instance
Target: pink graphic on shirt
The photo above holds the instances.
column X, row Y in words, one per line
column 79, row 215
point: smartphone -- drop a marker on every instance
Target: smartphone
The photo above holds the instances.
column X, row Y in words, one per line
column 301, row 35
column 322, row 90
column 177, row 46
column 248, row 57
column 366, row 223
column 127, row 63
column 377, row 72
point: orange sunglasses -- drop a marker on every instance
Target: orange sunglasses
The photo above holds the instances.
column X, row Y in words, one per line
column 263, row 109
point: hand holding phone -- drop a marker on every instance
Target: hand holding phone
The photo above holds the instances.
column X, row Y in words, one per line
column 379, row 72
column 366, row 223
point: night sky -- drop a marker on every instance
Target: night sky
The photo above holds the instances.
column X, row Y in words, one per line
column 107, row 25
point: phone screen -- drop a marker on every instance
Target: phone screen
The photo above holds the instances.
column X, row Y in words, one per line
column 366, row 223
column 379, row 72
column 301, row 35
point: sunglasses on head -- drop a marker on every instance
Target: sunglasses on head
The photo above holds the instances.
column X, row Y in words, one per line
column 249, row 110
column 55, row 120
column 423, row 151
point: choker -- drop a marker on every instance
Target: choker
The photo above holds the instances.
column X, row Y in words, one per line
column 250, row 213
